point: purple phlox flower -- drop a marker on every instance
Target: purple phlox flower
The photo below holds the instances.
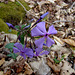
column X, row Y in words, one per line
column 23, row 51
column 27, row 27
column 45, row 14
column 40, row 30
column 44, row 44
column 41, row 17
column 10, row 25
column 31, row 20
column 40, row 52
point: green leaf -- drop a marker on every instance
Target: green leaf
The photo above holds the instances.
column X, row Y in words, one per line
column 37, row 37
column 18, row 3
column 18, row 34
column 62, row 58
column 29, row 35
column 17, row 27
column 22, row 38
column 13, row 55
column 9, row 45
column 23, row 26
column 9, row 55
column 11, row 50
column 56, row 61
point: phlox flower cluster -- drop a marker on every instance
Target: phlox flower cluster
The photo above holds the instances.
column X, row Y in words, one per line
column 38, row 30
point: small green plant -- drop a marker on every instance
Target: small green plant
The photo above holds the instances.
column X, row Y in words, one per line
column 58, row 61
column 10, row 47
column 13, row 55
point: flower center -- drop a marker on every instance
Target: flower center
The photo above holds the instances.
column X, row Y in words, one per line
column 46, row 35
column 22, row 51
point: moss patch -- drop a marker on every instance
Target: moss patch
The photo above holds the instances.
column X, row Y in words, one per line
column 3, row 26
column 12, row 12
column 13, row 32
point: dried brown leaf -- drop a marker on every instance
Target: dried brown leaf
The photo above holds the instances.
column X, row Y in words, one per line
column 7, row 63
column 53, row 66
column 19, row 69
column 2, row 55
column 2, row 61
column 17, row 66
column 69, row 41
column 1, row 73
column 66, row 68
column 8, row 72
column 52, row 1
column 59, row 48
column 28, row 69
column 41, row 3
column 40, row 67
column 59, row 40
column 21, row 74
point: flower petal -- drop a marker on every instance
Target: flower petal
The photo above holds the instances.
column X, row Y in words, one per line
column 38, row 50
column 19, row 46
column 29, row 52
column 24, row 48
column 44, row 52
column 41, row 27
column 34, row 54
column 39, row 42
column 23, row 55
column 45, row 14
column 16, row 50
column 36, row 32
column 10, row 25
column 49, row 42
column 52, row 30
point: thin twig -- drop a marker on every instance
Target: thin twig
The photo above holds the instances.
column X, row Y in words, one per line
column 62, row 21
column 22, row 5
column 72, row 5
column 59, row 21
column 28, row 12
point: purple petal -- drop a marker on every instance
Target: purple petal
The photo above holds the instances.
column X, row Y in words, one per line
column 39, row 42
column 44, row 52
column 44, row 15
column 16, row 50
column 29, row 52
column 23, row 55
column 49, row 42
column 24, row 48
column 31, row 20
column 36, row 32
column 10, row 25
column 44, row 44
column 41, row 27
column 52, row 30
column 18, row 45
column 34, row 54
column 26, row 27
column 38, row 50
